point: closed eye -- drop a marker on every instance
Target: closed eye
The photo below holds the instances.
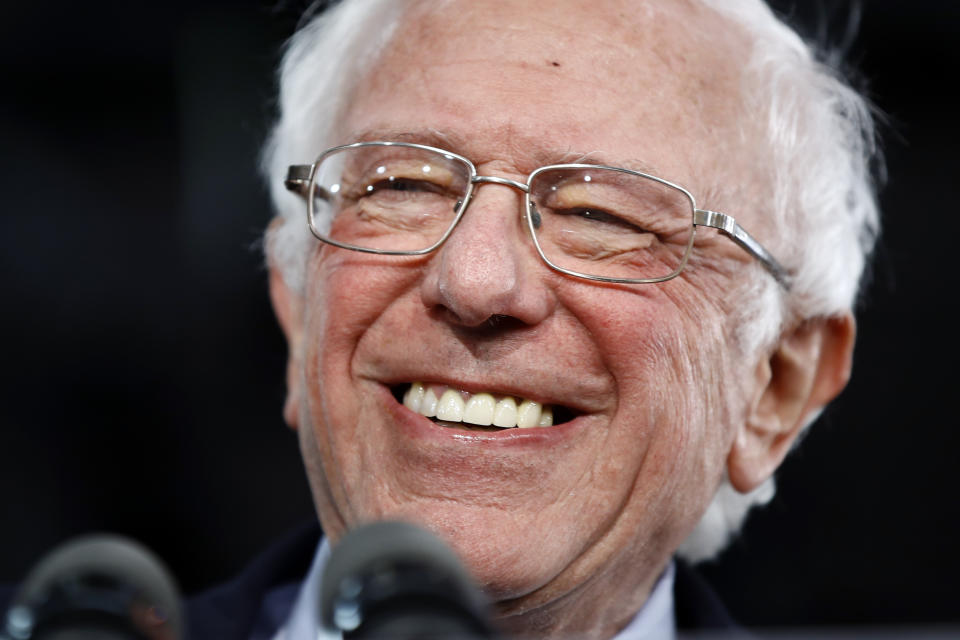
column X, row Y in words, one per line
column 600, row 217
column 404, row 185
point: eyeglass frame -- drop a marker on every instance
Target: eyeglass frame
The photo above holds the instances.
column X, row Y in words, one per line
column 301, row 179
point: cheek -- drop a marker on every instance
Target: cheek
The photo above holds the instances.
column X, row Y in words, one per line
column 679, row 348
column 707, row 409
column 669, row 352
column 347, row 293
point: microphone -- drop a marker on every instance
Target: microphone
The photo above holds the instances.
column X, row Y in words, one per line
column 396, row 580
column 100, row 586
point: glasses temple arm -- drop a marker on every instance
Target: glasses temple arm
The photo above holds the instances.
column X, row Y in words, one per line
column 729, row 227
column 298, row 178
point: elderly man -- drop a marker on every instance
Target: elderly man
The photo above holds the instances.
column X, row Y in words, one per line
column 579, row 274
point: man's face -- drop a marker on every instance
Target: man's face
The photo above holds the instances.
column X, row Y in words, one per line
column 597, row 502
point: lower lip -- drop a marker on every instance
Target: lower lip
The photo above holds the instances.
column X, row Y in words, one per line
column 418, row 427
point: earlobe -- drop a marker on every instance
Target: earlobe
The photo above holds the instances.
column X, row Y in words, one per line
column 808, row 368
column 288, row 307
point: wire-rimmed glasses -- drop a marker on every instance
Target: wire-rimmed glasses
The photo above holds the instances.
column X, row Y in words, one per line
column 596, row 222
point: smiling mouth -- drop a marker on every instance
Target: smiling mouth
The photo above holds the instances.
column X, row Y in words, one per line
column 459, row 409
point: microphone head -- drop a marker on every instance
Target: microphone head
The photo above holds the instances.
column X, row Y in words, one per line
column 394, row 579
column 98, row 586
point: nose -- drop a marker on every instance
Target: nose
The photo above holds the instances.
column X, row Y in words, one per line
column 487, row 269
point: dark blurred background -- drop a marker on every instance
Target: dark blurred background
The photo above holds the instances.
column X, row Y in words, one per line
column 141, row 372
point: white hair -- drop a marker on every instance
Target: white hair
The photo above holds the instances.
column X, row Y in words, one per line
column 320, row 68
column 819, row 140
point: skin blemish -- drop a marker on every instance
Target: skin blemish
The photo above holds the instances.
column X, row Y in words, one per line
column 554, row 63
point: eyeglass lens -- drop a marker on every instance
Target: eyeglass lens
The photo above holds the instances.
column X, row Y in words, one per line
column 593, row 221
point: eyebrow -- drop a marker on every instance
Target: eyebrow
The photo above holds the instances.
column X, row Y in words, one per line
column 539, row 154
column 430, row 137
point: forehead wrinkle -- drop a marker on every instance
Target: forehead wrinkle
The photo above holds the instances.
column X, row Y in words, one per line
column 630, row 33
column 522, row 153
column 620, row 28
column 613, row 40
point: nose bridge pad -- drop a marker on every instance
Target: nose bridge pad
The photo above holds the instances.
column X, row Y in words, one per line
column 460, row 202
column 534, row 215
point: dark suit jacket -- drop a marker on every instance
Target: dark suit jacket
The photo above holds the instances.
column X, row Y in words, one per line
column 257, row 602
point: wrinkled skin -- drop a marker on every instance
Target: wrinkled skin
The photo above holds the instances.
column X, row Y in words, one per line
column 566, row 527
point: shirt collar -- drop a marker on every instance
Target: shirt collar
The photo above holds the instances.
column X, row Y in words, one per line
column 656, row 620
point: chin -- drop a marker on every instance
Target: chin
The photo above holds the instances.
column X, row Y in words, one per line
column 507, row 553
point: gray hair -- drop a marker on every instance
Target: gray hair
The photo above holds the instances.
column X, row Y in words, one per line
column 819, row 140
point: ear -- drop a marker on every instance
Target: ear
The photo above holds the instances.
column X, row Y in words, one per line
column 808, row 368
column 288, row 307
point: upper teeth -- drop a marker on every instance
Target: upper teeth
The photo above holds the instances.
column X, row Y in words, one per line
column 479, row 408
